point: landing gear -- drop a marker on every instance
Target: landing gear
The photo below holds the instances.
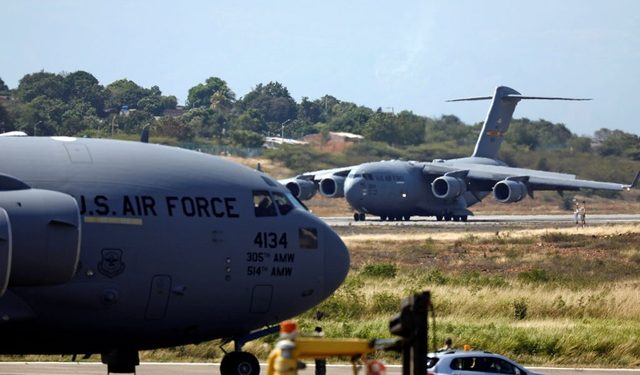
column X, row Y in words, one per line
column 239, row 363
column 439, row 217
column 464, row 217
column 359, row 217
column 121, row 361
column 406, row 218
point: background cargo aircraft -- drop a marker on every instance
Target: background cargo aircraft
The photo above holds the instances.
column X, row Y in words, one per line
column 397, row 190
column 113, row 247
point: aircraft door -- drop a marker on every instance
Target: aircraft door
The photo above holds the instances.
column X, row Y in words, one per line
column 158, row 297
column 261, row 298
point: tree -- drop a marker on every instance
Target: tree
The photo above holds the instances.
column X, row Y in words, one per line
column 79, row 116
column 81, row 85
column 174, row 127
column 246, row 138
column 380, row 128
column 202, row 95
column 125, row 93
column 206, row 122
column 3, row 86
column 618, row 143
column 6, row 120
column 42, row 115
column 580, row 144
column 349, row 117
column 41, row 83
column 409, row 128
column 273, row 102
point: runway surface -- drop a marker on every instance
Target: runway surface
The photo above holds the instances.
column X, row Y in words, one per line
column 487, row 220
column 86, row 368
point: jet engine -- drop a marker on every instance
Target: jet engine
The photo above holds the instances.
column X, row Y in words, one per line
column 39, row 238
column 302, row 189
column 509, row 191
column 448, row 187
column 332, row 187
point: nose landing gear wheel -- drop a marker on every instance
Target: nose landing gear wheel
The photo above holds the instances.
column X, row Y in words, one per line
column 239, row 363
column 363, row 217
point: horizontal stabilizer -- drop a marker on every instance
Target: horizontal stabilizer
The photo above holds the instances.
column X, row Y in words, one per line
column 512, row 96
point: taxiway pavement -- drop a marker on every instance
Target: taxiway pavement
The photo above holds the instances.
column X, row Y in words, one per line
column 94, row 368
column 484, row 220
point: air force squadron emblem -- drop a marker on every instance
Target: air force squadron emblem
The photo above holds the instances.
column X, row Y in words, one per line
column 111, row 264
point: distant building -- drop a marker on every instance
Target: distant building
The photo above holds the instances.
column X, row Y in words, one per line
column 174, row 112
column 336, row 142
column 271, row 142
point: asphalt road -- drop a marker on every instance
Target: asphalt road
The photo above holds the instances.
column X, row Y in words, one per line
column 86, row 368
column 480, row 220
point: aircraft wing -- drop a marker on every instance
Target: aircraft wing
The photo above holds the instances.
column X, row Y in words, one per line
column 319, row 175
column 485, row 176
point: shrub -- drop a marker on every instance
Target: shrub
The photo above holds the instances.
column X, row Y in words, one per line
column 534, row 276
column 382, row 270
column 520, row 309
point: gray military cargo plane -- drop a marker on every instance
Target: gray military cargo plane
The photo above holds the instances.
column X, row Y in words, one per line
column 112, row 247
column 397, row 190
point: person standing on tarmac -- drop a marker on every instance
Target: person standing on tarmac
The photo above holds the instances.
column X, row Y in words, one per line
column 582, row 212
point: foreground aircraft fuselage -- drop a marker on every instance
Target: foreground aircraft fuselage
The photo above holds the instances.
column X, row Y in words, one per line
column 109, row 245
column 397, row 190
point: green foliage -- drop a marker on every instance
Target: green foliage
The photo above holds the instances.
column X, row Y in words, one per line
column 538, row 134
column 246, row 138
column 125, row 93
column 534, row 276
column 3, row 87
column 214, row 93
column 273, row 102
column 520, row 309
column 45, row 84
column 381, row 270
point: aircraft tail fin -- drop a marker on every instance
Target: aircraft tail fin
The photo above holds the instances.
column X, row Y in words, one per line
column 496, row 124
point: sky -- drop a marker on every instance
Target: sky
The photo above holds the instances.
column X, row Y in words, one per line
column 395, row 55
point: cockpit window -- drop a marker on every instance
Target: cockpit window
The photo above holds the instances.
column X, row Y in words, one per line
column 263, row 204
column 283, row 203
column 368, row 176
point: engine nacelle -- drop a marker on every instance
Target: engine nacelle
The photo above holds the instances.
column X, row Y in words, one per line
column 39, row 238
column 448, row 187
column 509, row 191
column 332, row 187
column 302, row 189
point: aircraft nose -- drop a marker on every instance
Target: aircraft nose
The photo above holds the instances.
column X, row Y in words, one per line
column 337, row 261
column 353, row 193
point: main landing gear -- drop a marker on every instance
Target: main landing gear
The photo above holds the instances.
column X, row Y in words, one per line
column 448, row 217
column 359, row 216
column 238, row 362
column 395, row 218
